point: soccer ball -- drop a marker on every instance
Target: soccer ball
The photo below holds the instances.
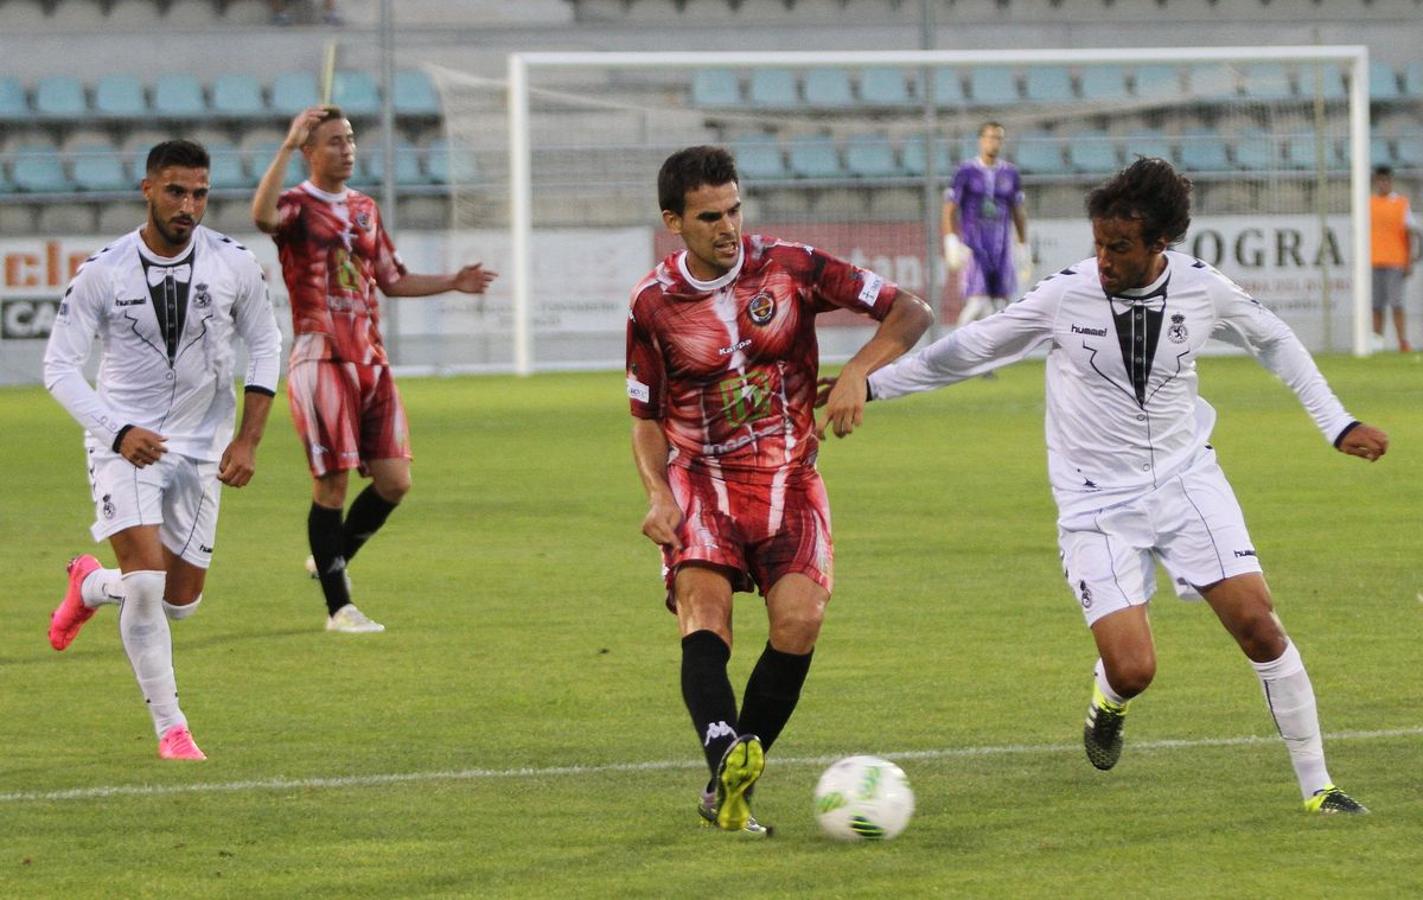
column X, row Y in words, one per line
column 863, row 798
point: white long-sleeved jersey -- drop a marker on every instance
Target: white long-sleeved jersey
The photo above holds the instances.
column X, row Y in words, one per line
column 1123, row 412
column 167, row 329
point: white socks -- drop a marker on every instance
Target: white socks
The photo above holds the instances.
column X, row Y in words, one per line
column 175, row 612
column 102, row 586
column 1101, row 672
column 1290, row 698
column 149, row 645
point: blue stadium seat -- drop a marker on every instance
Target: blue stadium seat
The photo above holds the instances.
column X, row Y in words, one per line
column 407, row 163
column 815, row 158
column 1104, row 84
column 38, row 170
column 1146, row 142
column 229, row 171
column 1038, row 153
column 993, row 86
column 1302, row 152
column 1092, row 152
column 1213, row 81
column 96, row 167
column 452, row 165
column 1049, row 84
column 238, row 96
column 828, row 88
column 1157, row 82
column 1257, row 150
column 715, row 87
column 293, row 92
column 1266, row 81
column 1410, row 150
column 914, row 159
column 773, row 89
column 1383, row 82
column 356, row 93
column 948, row 88
column 60, row 97
column 178, row 96
column 13, row 104
column 1380, row 151
column 759, row 158
column 415, row 94
column 884, row 87
column 1202, row 150
column 1325, row 77
column 260, row 157
column 120, row 97
column 870, row 156
column 1413, row 80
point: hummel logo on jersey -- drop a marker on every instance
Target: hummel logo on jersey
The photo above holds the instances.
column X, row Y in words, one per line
column 716, row 730
column 205, row 548
column 1095, row 332
column 136, row 301
column 1241, row 554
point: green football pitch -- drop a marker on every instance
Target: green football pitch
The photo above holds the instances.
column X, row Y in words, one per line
column 518, row 730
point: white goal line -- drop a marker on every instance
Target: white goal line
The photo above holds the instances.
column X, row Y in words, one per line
column 394, row 778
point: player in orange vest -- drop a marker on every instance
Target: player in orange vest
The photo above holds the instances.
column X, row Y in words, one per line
column 1390, row 221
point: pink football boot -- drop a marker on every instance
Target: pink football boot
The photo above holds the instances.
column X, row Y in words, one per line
column 71, row 614
column 177, row 743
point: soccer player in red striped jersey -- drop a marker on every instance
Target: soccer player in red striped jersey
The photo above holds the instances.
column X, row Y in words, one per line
column 335, row 253
column 722, row 363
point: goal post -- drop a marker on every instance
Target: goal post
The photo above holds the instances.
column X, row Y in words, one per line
column 1295, row 153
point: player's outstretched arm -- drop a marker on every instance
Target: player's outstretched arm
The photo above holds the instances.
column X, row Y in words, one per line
column 901, row 329
column 473, row 279
column 264, row 202
column 1363, row 441
column 649, row 451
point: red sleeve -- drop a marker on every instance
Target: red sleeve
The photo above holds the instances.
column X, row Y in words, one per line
column 838, row 283
column 289, row 218
column 388, row 265
column 646, row 371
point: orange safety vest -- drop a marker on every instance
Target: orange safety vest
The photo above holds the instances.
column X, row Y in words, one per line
column 1388, row 219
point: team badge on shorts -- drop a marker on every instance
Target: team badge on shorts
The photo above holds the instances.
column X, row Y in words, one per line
column 1086, row 593
column 1177, row 332
column 108, row 509
column 201, row 298
column 762, row 308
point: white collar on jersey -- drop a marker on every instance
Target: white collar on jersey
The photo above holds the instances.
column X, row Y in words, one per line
column 718, row 284
column 1150, row 288
column 155, row 259
column 313, row 190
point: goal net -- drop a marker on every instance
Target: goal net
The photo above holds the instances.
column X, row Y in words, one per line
column 553, row 173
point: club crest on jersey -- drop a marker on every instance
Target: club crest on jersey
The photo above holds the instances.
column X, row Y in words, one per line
column 762, row 308
column 1177, row 332
column 201, row 298
column 363, row 221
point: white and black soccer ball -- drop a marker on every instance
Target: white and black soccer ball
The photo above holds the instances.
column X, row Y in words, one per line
column 863, row 798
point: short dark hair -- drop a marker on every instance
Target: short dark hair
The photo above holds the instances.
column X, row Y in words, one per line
column 187, row 154
column 329, row 112
column 1382, row 170
column 990, row 124
column 1150, row 191
column 686, row 170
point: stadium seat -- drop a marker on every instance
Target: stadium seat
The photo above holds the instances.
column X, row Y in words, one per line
column 884, row 87
column 1092, row 152
column 178, row 96
column 948, row 88
column 870, row 156
column 993, row 86
column 1413, row 81
column 96, row 167
column 415, row 94
column 1410, row 150
column 1146, row 142
column 1266, row 81
column 759, row 158
column 828, row 88
column 1202, row 150
column 715, row 87
column 120, row 97
column 117, row 217
column 13, row 105
column 1302, row 152
column 1157, row 82
column 1380, row 151
column 293, row 92
column 1104, row 84
column 1212, row 82
column 1383, row 82
column 773, row 89
column 1325, row 77
column 407, row 163
column 914, row 159
column 1048, row 84
column 1256, row 150
column 815, row 158
column 238, row 96
column 449, row 165
column 260, row 156
column 229, row 171
column 38, row 170
column 356, row 93
column 1038, row 153
column 60, row 97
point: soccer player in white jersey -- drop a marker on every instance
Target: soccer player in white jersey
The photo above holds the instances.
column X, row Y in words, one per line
column 167, row 302
column 1132, row 470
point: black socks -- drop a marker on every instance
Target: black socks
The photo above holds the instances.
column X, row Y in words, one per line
column 323, row 530
column 366, row 515
column 706, row 689
column 772, row 694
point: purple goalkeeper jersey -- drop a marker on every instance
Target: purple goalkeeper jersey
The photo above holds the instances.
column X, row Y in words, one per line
column 985, row 196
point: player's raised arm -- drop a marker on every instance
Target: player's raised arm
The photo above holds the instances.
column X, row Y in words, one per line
column 264, row 202
column 909, row 317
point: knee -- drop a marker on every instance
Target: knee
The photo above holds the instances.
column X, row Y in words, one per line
column 1131, row 675
column 330, row 492
column 796, row 630
column 1260, row 635
column 392, row 489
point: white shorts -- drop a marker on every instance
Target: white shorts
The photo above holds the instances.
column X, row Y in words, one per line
column 1192, row 524
column 177, row 493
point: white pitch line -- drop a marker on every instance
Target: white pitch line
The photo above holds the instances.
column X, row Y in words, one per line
column 361, row 781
